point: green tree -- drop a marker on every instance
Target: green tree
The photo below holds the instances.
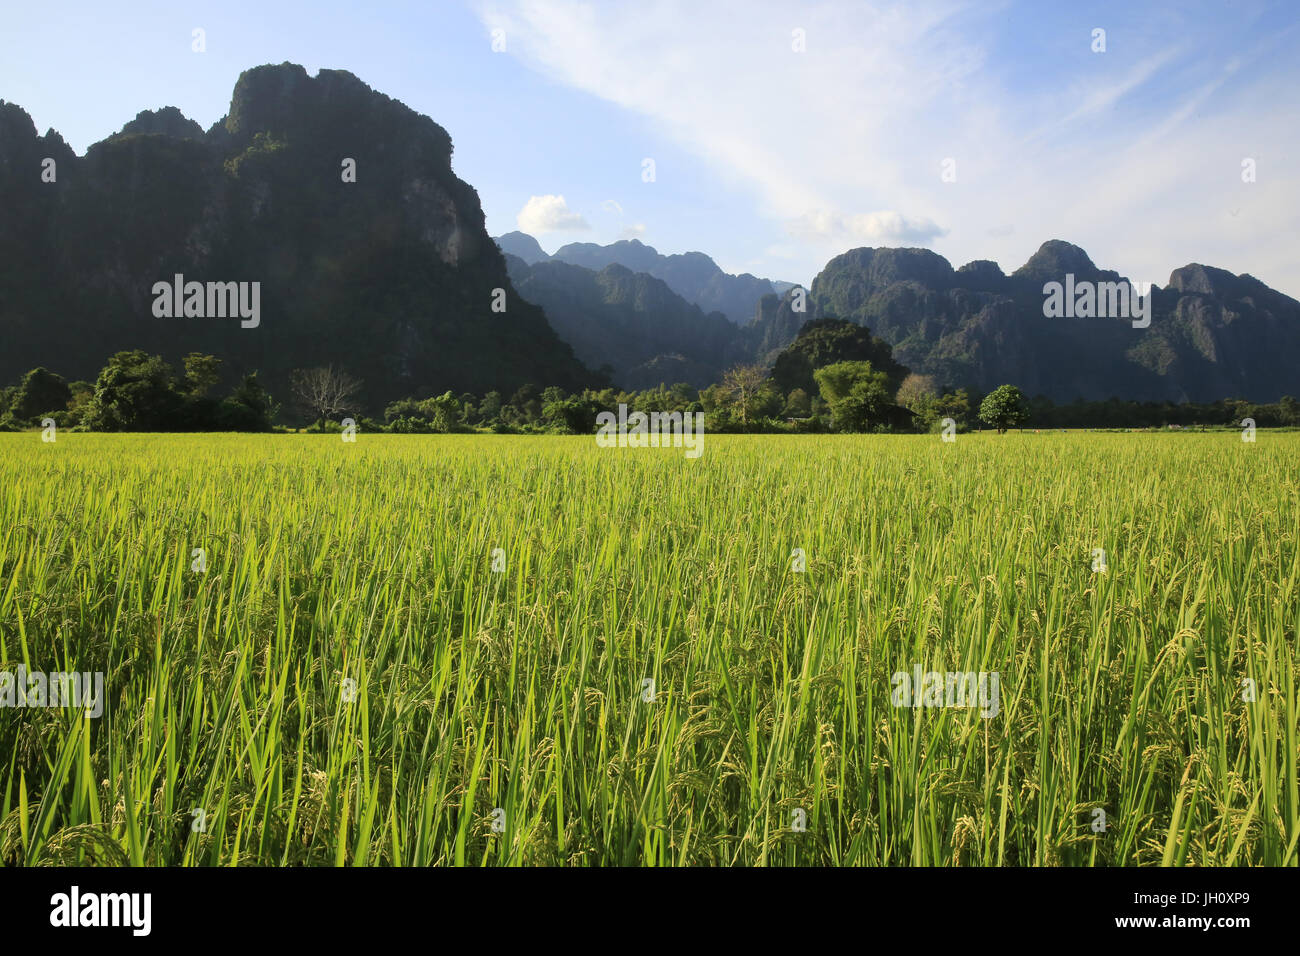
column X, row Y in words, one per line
column 442, row 412
column 135, row 391
column 1004, row 407
column 40, row 391
column 1288, row 410
column 823, row 342
column 527, row 405
column 919, row 396
column 857, row 395
column 490, row 408
column 510, row 416
column 402, row 408
column 572, row 416
column 797, row 404
column 954, row 405
column 82, row 393
column 248, row 409
column 201, row 373
column 719, row 409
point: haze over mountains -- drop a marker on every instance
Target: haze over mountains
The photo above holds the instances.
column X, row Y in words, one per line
column 692, row 275
column 1212, row 335
column 630, row 324
column 394, row 277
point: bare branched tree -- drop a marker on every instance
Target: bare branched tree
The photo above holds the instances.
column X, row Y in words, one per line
column 325, row 392
column 744, row 381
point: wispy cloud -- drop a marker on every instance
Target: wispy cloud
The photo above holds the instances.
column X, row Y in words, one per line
column 885, row 227
column 842, row 132
column 1096, row 97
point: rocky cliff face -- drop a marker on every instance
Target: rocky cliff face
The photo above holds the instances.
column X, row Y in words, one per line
column 631, row 323
column 1212, row 334
column 391, row 276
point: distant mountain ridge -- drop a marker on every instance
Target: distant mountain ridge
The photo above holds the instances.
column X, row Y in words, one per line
column 692, row 275
column 523, row 246
column 1213, row 335
column 630, row 323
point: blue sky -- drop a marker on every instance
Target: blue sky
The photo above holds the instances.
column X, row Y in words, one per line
column 770, row 158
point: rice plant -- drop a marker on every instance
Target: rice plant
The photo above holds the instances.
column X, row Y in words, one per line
column 498, row 650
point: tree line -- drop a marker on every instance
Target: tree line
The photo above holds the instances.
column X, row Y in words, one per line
column 835, row 377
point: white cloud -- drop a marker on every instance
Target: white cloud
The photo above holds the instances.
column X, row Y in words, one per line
column 549, row 214
column 1133, row 154
column 634, row 231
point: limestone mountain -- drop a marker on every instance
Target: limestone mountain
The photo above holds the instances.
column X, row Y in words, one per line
column 524, row 246
column 692, row 275
column 1212, row 334
column 776, row 323
column 391, row 276
column 168, row 121
column 369, row 253
column 630, row 323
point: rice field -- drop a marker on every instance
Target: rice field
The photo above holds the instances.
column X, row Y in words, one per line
column 498, row 650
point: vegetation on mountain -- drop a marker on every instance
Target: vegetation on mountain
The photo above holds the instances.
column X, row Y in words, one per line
column 391, row 277
column 629, row 324
column 1211, row 334
column 370, row 257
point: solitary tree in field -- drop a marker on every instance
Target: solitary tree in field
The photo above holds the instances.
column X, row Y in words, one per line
column 1004, row 407
column 744, row 381
column 325, row 392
